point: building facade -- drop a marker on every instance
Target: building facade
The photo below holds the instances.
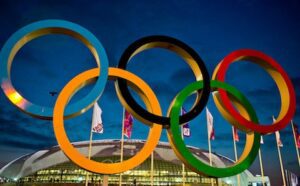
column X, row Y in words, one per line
column 51, row 166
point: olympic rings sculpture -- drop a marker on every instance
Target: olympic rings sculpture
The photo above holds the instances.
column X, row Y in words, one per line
column 231, row 103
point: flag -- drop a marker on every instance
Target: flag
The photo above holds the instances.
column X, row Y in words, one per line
column 235, row 134
column 210, row 125
column 97, row 120
column 279, row 142
column 261, row 140
column 128, row 122
column 185, row 127
column 292, row 178
column 277, row 134
column 297, row 134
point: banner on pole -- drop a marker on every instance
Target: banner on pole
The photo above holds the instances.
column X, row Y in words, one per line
column 97, row 120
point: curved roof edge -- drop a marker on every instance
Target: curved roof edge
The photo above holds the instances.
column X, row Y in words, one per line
column 33, row 162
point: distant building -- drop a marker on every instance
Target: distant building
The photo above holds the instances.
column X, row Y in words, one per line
column 52, row 166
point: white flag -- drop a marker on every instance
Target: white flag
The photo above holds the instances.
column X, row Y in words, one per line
column 277, row 134
column 261, row 140
column 279, row 142
column 97, row 120
column 210, row 125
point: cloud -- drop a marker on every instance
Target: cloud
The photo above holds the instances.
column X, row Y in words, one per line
column 9, row 113
column 14, row 143
column 22, row 135
column 21, row 131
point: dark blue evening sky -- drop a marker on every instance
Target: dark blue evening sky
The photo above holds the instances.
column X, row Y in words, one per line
column 212, row 28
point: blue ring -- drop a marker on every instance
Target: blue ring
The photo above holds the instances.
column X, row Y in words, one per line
column 58, row 27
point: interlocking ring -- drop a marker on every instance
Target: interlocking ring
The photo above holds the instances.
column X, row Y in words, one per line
column 174, row 135
column 184, row 51
column 284, row 84
column 233, row 106
column 38, row 29
column 73, row 86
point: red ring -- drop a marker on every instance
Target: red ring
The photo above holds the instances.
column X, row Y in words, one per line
column 269, row 65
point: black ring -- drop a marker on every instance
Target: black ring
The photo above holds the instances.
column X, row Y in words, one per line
column 185, row 52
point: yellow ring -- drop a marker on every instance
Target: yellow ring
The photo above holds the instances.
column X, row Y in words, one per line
column 78, row 82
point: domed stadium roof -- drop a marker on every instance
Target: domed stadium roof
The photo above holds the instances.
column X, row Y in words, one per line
column 43, row 159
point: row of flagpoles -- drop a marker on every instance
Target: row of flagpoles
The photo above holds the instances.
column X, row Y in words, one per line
column 127, row 124
column 296, row 135
column 97, row 127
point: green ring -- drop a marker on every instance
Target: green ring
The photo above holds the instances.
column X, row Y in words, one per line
column 183, row 152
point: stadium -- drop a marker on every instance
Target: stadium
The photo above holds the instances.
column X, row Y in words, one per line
column 52, row 167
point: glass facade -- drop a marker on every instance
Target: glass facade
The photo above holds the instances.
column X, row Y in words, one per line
column 165, row 173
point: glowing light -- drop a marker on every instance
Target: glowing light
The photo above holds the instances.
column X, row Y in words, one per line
column 228, row 181
column 15, row 97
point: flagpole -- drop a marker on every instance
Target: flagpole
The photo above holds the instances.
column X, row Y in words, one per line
column 89, row 155
column 210, row 158
column 209, row 152
column 279, row 153
column 293, row 129
column 261, row 168
column 281, row 165
column 122, row 145
column 235, row 154
column 209, row 146
column 183, row 167
column 152, row 168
